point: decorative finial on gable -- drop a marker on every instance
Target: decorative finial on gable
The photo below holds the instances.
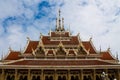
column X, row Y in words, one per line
column 41, row 35
column 78, row 34
column 100, row 49
column 117, row 57
column 62, row 29
column 10, row 49
column 108, row 49
column 28, row 38
column 90, row 39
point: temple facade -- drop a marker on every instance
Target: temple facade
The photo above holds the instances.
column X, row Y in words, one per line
column 59, row 56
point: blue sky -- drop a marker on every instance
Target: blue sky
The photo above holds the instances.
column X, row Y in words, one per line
column 99, row 19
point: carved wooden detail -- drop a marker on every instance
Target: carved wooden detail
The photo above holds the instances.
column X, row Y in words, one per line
column 81, row 50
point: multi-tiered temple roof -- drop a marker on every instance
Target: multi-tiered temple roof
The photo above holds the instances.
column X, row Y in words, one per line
column 59, row 48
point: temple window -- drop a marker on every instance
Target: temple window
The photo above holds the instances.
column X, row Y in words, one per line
column 48, row 77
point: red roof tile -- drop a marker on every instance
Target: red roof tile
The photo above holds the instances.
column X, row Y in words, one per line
column 73, row 41
column 106, row 56
column 71, row 52
column 31, row 45
column 60, row 62
column 13, row 55
column 50, row 52
column 53, row 34
column 88, row 46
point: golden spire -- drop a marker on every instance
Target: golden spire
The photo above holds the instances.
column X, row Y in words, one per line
column 58, row 22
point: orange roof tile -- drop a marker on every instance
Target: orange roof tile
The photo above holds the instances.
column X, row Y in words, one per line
column 13, row 55
column 31, row 45
column 60, row 62
column 106, row 56
column 88, row 46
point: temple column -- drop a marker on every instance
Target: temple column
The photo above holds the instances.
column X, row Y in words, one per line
column 117, row 74
column 16, row 77
column 42, row 74
column 81, row 74
column 29, row 77
column 3, row 75
column 55, row 75
column 94, row 74
column 68, row 74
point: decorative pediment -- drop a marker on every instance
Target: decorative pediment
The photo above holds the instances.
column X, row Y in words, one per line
column 61, row 50
column 81, row 50
column 39, row 50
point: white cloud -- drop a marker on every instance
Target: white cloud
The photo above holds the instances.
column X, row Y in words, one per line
column 9, row 8
column 1, row 30
column 97, row 18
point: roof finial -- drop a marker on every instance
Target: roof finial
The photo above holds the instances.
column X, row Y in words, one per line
column 90, row 38
column 10, row 49
column 108, row 48
column 59, row 20
column 100, row 49
column 59, row 13
column 56, row 25
column 117, row 57
column 28, row 38
column 62, row 24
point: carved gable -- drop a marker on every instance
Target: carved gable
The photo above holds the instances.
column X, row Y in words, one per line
column 81, row 50
column 61, row 50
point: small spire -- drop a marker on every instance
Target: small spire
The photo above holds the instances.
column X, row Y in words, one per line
column 117, row 56
column 59, row 13
column 69, row 30
column 78, row 34
column 100, row 49
column 63, row 24
column 56, row 25
column 59, row 20
column 2, row 56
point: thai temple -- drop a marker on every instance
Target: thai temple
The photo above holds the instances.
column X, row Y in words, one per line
column 59, row 56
